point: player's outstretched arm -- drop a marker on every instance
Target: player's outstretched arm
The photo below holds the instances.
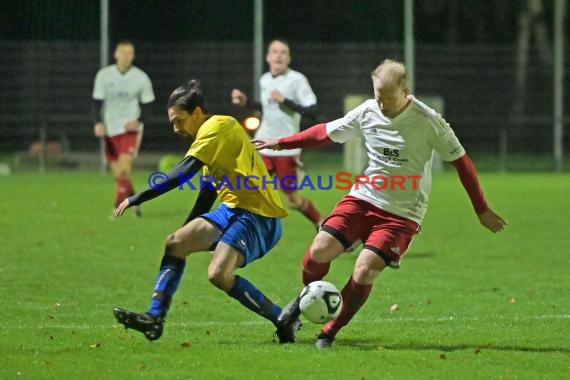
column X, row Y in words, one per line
column 468, row 176
column 261, row 144
column 314, row 137
column 185, row 170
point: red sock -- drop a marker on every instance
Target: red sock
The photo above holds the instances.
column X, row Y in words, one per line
column 353, row 297
column 312, row 270
column 310, row 211
column 123, row 190
column 130, row 188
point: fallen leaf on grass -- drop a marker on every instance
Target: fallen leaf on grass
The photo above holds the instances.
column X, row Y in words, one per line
column 185, row 345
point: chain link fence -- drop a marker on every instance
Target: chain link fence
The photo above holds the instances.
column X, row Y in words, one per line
column 46, row 93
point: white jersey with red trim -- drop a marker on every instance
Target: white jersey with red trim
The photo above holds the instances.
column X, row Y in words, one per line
column 399, row 150
column 278, row 120
column 121, row 94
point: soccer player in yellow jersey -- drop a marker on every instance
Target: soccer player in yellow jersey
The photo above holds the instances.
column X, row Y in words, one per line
column 243, row 228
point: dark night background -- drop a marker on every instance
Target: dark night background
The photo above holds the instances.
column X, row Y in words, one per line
column 466, row 53
column 440, row 21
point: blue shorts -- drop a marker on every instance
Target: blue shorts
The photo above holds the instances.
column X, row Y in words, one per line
column 251, row 234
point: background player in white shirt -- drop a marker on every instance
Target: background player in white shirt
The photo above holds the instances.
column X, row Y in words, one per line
column 285, row 96
column 121, row 95
column 401, row 134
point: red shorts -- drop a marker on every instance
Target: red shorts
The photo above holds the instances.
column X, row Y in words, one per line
column 125, row 143
column 285, row 168
column 384, row 233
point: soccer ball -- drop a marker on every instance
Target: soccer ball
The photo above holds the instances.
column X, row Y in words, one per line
column 320, row 302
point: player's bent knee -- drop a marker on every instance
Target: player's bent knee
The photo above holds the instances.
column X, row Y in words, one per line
column 363, row 274
column 126, row 159
column 173, row 246
column 220, row 278
column 318, row 251
column 325, row 248
column 124, row 165
column 364, row 277
column 196, row 236
column 115, row 170
column 125, row 169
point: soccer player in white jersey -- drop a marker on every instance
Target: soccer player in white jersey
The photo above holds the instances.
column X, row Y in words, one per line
column 121, row 97
column 401, row 134
column 285, row 96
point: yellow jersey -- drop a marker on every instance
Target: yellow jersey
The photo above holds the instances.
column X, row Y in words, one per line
column 239, row 174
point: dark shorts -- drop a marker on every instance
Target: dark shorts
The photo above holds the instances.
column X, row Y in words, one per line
column 384, row 233
column 125, row 143
column 251, row 234
column 285, row 168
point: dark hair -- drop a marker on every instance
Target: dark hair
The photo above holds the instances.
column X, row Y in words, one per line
column 188, row 97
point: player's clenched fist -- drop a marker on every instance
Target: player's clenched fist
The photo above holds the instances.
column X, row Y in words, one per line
column 99, row 130
column 238, row 97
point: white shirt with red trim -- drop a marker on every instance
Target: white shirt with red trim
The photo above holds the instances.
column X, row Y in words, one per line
column 278, row 120
column 398, row 149
column 121, row 94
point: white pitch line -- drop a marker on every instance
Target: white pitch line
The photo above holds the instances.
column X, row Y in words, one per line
column 254, row 322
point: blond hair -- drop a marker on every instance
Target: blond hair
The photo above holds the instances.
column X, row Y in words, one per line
column 391, row 70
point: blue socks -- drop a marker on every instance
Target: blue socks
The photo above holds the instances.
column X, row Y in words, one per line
column 167, row 281
column 249, row 296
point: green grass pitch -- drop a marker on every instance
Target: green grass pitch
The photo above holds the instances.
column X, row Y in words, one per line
column 471, row 304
